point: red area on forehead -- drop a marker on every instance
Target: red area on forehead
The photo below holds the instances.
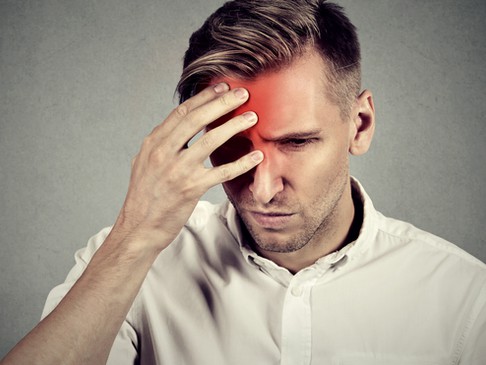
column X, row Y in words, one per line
column 275, row 97
column 289, row 100
column 262, row 100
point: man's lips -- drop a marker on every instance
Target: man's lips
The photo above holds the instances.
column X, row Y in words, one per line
column 272, row 220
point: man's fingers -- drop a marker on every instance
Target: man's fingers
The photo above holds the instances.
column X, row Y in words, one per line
column 174, row 118
column 216, row 137
column 229, row 171
column 203, row 97
column 200, row 117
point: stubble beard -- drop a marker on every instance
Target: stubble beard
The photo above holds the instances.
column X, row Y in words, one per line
column 314, row 229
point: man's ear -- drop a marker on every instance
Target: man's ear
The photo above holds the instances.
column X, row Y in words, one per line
column 363, row 119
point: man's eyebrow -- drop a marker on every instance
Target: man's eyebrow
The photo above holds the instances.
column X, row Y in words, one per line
column 313, row 133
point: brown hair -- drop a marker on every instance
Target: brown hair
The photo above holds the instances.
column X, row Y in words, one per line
column 245, row 38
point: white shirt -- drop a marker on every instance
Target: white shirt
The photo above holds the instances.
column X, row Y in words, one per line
column 397, row 295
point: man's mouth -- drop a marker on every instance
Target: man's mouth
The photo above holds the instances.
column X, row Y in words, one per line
column 271, row 220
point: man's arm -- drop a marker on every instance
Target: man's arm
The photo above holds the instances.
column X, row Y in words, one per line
column 166, row 182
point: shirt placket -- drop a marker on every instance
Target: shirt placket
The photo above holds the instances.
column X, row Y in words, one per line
column 296, row 319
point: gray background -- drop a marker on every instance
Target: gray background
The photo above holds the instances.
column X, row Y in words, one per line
column 82, row 82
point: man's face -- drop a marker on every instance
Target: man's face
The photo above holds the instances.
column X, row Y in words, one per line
column 297, row 194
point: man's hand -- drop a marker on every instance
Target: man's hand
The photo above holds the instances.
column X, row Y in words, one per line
column 168, row 178
column 166, row 182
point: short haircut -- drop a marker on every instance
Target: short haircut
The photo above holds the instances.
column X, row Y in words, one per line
column 245, row 38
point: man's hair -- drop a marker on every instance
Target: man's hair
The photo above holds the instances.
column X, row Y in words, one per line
column 245, row 38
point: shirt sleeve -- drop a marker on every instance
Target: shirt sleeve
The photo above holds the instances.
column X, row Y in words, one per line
column 475, row 343
column 124, row 349
column 82, row 257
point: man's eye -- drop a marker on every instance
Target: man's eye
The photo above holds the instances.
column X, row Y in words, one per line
column 297, row 142
column 232, row 150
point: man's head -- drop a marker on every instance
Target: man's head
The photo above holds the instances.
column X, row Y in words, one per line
column 299, row 60
column 246, row 38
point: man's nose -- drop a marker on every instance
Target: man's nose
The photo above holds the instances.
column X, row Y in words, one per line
column 267, row 181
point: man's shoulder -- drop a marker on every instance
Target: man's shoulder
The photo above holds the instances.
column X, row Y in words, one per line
column 396, row 239
column 206, row 212
column 210, row 229
column 424, row 244
column 207, row 219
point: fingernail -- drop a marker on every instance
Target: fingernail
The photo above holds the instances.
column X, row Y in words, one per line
column 221, row 87
column 251, row 117
column 257, row 156
column 241, row 93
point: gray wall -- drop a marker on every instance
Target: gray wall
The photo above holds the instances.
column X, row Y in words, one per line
column 82, row 82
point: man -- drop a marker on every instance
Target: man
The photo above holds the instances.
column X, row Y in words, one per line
column 299, row 268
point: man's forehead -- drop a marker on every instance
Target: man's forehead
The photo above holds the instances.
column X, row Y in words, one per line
column 270, row 93
column 289, row 100
column 272, row 98
column 267, row 90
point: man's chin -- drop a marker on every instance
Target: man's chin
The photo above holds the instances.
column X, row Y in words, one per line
column 273, row 240
column 278, row 246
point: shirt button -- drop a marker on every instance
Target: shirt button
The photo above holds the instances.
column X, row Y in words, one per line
column 297, row 291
